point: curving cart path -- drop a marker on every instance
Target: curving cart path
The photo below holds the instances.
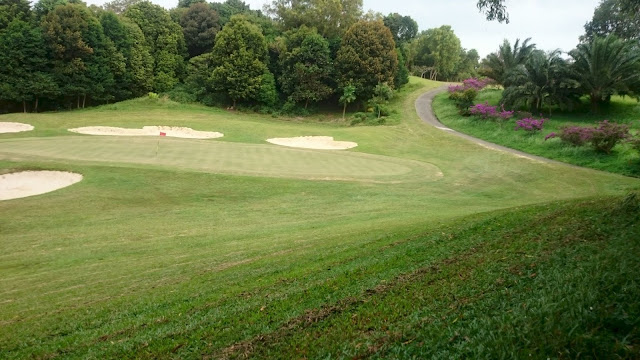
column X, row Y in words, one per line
column 425, row 112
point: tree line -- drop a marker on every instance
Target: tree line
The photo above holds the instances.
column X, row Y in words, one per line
column 61, row 54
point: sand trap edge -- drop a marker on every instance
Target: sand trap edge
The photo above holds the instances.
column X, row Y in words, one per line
column 7, row 127
column 313, row 142
column 23, row 184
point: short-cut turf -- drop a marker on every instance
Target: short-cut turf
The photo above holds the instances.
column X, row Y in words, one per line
column 156, row 259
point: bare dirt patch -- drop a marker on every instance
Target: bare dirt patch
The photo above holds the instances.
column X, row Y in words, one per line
column 14, row 127
column 313, row 142
column 173, row 131
column 29, row 183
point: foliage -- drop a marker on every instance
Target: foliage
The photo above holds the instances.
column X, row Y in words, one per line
column 200, row 24
column 330, row 18
column 463, row 99
column 305, row 66
column 543, row 81
column 348, row 96
column 468, row 65
column 13, row 9
column 606, row 66
column 439, row 50
column 403, row 28
column 576, row 135
column 605, row 137
column 382, row 93
column 530, row 124
column 614, row 17
column 500, row 64
column 238, row 60
column 367, row 57
column 165, row 40
column 494, row 10
column 23, row 75
column 402, row 75
column 268, row 95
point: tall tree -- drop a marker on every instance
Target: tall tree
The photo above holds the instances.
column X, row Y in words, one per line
column 439, row 49
column 544, row 80
column 498, row 65
column 24, row 74
column 200, row 24
column 332, row 18
column 403, row 28
column 617, row 17
column 305, row 66
column 133, row 68
column 468, row 65
column 13, row 9
column 119, row 6
column 606, row 66
column 367, row 57
column 238, row 59
column 165, row 40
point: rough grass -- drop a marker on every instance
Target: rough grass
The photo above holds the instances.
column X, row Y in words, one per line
column 623, row 159
column 145, row 260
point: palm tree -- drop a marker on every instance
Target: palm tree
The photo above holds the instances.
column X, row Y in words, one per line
column 606, row 66
column 544, row 80
column 497, row 65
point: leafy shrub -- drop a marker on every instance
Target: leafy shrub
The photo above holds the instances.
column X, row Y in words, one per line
column 504, row 114
column 607, row 135
column 180, row 94
column 464, row 99
column 367, row 118
column 485, row 111
column 575, row 135
column 530, row 124
column 635, row 143
column 153, row 96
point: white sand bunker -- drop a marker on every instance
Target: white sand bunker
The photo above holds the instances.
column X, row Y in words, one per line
column 14, row 127
column 173, row 131
column 29, row 183
column 313, row 142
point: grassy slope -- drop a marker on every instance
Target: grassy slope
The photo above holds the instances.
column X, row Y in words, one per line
column 623, row 160
column 143, row 260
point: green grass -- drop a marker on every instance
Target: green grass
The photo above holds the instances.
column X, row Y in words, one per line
column 184, row 258
column 623, row 159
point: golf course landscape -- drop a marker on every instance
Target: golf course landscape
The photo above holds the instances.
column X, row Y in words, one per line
column 415, row 243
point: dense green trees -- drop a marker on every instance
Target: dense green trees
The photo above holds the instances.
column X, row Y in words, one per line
column 332, row 18
column 305, row 66
column 239, row 60
column 403, row 28
column 367, row 57
column 165, row 40
column 24, row 75
column 544, row 80
column 438, row 51
column 13, row 9
column 200, row 24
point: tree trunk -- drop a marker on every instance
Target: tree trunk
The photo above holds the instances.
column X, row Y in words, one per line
column 234, row 104
column 306, row 104
column 84, row 100
column 344, row 110
column 78, row 102
column 35, row 109
column 24, row 106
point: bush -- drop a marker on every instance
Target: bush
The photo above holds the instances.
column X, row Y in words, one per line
column 180, row 94
column 575, row 135
column 607, row 135
column 363, row 118
column 523, row 115
column 485, row 111
column 530, row 124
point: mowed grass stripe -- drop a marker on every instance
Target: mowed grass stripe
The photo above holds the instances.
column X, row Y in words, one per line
column 226, row 158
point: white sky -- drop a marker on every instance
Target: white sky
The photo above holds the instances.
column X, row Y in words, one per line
column 551, row 24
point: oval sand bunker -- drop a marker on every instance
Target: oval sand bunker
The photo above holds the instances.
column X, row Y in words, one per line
column 313, row 142
column 14, row 127
column 173, row 131
column 29, row 183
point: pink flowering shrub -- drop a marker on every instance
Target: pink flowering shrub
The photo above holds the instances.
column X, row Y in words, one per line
column 530, row 124
column 603, row 138
column 485, row 111
column 575, row 135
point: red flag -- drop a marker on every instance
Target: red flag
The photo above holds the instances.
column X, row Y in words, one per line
column 163, row 133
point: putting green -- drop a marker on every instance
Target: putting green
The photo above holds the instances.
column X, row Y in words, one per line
column 226, row 158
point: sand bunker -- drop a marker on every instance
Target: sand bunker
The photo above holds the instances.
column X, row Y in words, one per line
column 314, row 142
column 173, row 131
column 29, row 183
column 14, row 127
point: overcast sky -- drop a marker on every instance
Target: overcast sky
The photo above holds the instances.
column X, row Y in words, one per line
column 551, row 24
